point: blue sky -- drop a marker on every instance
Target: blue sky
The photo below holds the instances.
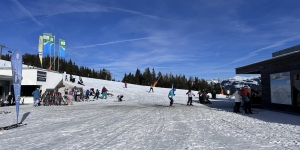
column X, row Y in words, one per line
column 197, row 38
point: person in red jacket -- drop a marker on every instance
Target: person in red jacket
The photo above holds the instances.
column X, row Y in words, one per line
column 246, row 98
column 104, row 93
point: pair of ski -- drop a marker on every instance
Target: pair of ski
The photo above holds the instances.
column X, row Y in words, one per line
column 4, row 112
column 12, row 126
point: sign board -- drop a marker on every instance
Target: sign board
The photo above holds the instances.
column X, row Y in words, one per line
column 41, row 76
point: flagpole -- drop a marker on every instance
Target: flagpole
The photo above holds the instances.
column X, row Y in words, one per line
column 50, row 53
column 50, row 57
column 54, row 52
column 58, row 54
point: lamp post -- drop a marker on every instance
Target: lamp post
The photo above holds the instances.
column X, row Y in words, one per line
column 2, row 46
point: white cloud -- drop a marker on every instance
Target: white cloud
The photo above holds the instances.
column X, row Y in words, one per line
column 26, row 12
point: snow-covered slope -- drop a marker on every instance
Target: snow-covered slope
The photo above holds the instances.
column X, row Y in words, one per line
column 145, row 121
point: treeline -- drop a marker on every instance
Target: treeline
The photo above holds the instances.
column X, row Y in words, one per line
column 140, row 78
column 167, row 80
column 69, row 67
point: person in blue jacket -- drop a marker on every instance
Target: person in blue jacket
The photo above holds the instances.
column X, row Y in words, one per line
column 36, row 97
column 97, row 94
column 87, row 93
column 171, row 94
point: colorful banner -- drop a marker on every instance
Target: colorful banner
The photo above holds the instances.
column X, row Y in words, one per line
column 40, row 49
column 16, row 64
column 52, row 46
column 46, row 44
column 62, row 48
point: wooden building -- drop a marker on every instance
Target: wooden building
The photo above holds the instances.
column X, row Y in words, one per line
column 280, row 79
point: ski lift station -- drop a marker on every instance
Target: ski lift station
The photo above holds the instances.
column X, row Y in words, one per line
column 280, row 79
column 32, row 78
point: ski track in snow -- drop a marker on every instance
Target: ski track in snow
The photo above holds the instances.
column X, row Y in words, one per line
column 145, row 121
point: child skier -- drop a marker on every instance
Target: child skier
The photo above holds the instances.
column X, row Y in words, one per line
column 190, row 98
column 171, row 94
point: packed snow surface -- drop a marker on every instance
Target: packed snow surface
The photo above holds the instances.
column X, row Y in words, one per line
column 145, row 121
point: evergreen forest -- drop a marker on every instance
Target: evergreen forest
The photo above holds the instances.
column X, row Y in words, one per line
column 148, row 77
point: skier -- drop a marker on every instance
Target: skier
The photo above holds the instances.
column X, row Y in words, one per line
column 36, row 96
column 190, row 98
column 104, row 93
column 151, row 88
column 125, row 84
column 87, row 93
column 171, row 94
column 97, row 94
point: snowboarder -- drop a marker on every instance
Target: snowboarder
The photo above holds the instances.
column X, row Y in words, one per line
column 171, row 94
column 120, row 98
column 80, row 81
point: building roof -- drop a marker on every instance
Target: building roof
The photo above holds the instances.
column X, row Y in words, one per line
column 256, row 67
column 5, row 77
column 286, row 51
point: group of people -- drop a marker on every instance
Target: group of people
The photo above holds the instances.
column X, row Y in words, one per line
column 74, row 94
column 96, row 93
column 242, row 95
column 73, row 79
column 47, row 99
column 203, row 97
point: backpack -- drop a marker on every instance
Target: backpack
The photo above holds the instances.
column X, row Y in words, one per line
column 245, row 97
